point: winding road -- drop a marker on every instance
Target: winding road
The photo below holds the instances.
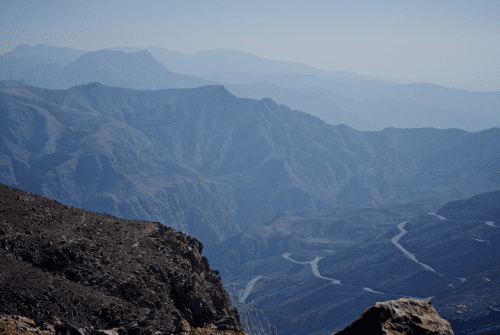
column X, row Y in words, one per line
column 491, row 224
column 314, row 266
column 394, row 240
column 411, row 256
column 249, row 288
column 287, row 256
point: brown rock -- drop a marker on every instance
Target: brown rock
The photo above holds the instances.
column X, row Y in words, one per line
column 185, row 326
column 402, row 316
column 18, row 325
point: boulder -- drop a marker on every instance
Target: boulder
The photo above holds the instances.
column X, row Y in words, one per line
column 402, row 316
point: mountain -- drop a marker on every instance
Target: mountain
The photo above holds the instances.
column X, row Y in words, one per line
column 308, row 102
column 231, row 163
column 482, row 207
column 45, row 54
column 268, row 190
column 138, row 70
column 112, row 167
column 94, row 270
column 377, row 104
column 210, row 61
column 361, row 102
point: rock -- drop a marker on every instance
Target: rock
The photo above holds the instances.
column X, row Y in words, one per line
column 402, row 316
column 185, row 326
column 18, row 325
column 100, row 281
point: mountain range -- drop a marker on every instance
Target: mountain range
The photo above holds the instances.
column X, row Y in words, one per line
column 305, row 217
column 230, row 162
column 361, row 102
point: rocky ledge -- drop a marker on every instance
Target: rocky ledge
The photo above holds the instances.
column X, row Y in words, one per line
column 398, row 317
column 95, row 271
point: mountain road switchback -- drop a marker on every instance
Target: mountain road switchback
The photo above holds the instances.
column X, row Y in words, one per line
column 411, row 256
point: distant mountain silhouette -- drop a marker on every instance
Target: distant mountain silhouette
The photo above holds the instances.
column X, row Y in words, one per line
column 304, row 101
column 361, row 102
column 45, row 54
column 209, row 61
column 378, row 104
column 137, row 70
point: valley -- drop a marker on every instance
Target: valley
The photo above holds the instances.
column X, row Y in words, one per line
column 314, row 194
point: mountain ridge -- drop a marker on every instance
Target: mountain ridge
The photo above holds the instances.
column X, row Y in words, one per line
column 257, row 153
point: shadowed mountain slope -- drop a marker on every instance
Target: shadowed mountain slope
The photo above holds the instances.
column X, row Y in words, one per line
column 482, row 207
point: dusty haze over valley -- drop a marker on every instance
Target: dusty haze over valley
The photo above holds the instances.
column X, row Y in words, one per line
column 267, row 167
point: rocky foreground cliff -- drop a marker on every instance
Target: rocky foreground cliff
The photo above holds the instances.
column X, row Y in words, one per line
column 96, row 271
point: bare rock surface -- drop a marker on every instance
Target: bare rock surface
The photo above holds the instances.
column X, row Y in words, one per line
column 402, row 316
column 96, row 270
column 18, row 325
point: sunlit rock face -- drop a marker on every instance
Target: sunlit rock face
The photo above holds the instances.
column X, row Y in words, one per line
column 399, row 317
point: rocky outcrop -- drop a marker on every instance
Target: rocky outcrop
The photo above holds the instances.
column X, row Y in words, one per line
column 97, row 271
column 402, row 316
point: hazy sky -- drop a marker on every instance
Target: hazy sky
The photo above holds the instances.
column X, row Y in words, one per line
column 451, row 43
